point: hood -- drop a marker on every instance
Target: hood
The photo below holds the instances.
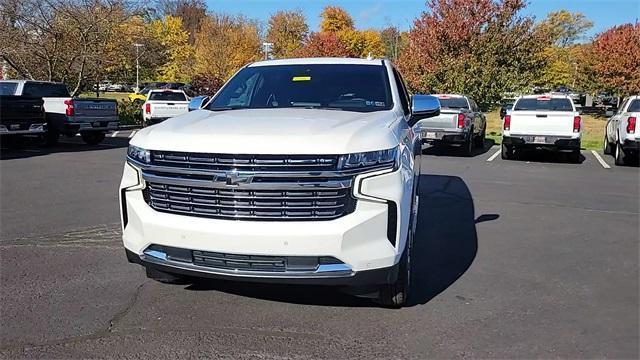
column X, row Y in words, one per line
column 271, row 131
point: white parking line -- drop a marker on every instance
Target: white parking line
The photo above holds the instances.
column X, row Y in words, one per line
column 132, row 133
column 600, row 160
column 494, row 155
column 115, row 133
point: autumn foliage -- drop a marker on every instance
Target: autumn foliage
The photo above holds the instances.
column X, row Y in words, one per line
column 616, row 58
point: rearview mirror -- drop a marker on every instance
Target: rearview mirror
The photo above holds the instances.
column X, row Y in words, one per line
column 197, row 102
column 422, row 107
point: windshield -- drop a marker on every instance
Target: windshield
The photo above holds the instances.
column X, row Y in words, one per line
column 453, row 102
column 45, row 90
column 8, row 88
column 362, row 88
column 543, row 104
column 167, row 96
column 634, row 106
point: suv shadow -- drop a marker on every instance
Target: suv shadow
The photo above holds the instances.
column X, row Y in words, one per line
column 445, row 247
column 450, row 150
column 20, row 148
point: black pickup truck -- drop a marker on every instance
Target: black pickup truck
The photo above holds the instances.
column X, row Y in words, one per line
column 22, row 115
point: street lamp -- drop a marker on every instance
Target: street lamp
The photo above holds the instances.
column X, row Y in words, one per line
column 138, row 46
column 267, row 49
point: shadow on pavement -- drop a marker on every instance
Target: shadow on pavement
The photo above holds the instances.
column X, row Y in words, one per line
column 454, row 150
column 545, row 156
column 445, row 246
column 31, row 147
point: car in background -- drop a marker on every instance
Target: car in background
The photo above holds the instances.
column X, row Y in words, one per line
column 460, row 122
column 162, row 104
column 622, row 135
column 542, row 122
column 117, row 87
column 91, row 118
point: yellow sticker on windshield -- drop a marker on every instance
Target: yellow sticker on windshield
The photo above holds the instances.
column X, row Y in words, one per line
column 301, row 78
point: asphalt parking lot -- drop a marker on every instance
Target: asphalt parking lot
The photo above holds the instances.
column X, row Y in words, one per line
column 514, row 259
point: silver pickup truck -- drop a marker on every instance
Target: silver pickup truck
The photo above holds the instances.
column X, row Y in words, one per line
column 460, row 122
column 92, row 118
column 622, row 136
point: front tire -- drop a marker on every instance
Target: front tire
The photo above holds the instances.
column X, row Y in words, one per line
column 606, row 147
column 93, row 138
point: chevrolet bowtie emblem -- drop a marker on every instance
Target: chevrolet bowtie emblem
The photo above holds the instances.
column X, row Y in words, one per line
column 234, row 179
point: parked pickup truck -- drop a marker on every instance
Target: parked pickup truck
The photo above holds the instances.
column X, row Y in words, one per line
column 622, row 135
column 162, row 104
column 297, row 171
column 460, row 122
column 21, row 115
column 92, row 118
column 542, row 122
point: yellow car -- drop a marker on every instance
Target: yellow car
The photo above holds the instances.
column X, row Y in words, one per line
column 139, row 97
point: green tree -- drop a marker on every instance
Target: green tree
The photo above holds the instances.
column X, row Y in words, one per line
column 565, row 28
column 287, row 31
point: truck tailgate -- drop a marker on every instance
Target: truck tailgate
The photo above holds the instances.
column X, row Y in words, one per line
column 95, row 109
column 167, row 109
column 542, row 123
column 447, row 120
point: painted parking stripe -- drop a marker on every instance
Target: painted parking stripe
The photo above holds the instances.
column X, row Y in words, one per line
column 132, row 133
column 115, row 133
column 600, row 160
column 495, row 155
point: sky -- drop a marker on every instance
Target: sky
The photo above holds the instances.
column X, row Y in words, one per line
column 401, row 13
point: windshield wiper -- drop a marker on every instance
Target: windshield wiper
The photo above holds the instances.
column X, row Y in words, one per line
column 224, row 108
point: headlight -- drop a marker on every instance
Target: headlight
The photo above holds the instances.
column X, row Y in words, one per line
column 139, row 154
column 369, row 159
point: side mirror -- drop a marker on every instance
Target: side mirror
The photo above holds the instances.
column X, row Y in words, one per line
column 197, row 102
column 422, row 107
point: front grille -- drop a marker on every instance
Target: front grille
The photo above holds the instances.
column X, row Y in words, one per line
column 237, row 203
column 228, row 162
column 239, row 262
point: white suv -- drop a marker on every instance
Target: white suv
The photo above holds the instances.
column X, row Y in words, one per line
column 297, row 171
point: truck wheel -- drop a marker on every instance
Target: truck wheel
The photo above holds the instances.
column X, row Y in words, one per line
column 507, row 152
column 396, row 294
column 164, row 277
column 467, row 147
column 92, row 138
column 479, row 141
column 606, row 148
column 619, row 155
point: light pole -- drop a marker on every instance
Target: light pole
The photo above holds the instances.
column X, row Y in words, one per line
column 267, row 49
column 137, row 67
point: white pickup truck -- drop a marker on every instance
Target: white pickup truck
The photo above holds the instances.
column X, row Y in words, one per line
column 542, row 122
column 297, row 171
column 92, row 118
column 622, row 135
column 162, row 104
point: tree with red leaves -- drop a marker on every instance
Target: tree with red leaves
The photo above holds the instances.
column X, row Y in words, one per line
column 482, row 48
column 323, row 44
column 616, row 59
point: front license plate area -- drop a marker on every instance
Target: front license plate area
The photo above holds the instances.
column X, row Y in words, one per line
column 539, row 140
column 96, row 124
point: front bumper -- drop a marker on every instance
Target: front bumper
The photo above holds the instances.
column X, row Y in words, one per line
column 543, row 141
column 359, row 240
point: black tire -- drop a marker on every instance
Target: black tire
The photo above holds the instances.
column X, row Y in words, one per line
column 507, row 152
column 164, row 277
column 93, row 138
column 51, row 138
column 468, row 146
column 396, row 295
column 606, row 147
column 479, row 140
column 619, row 155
